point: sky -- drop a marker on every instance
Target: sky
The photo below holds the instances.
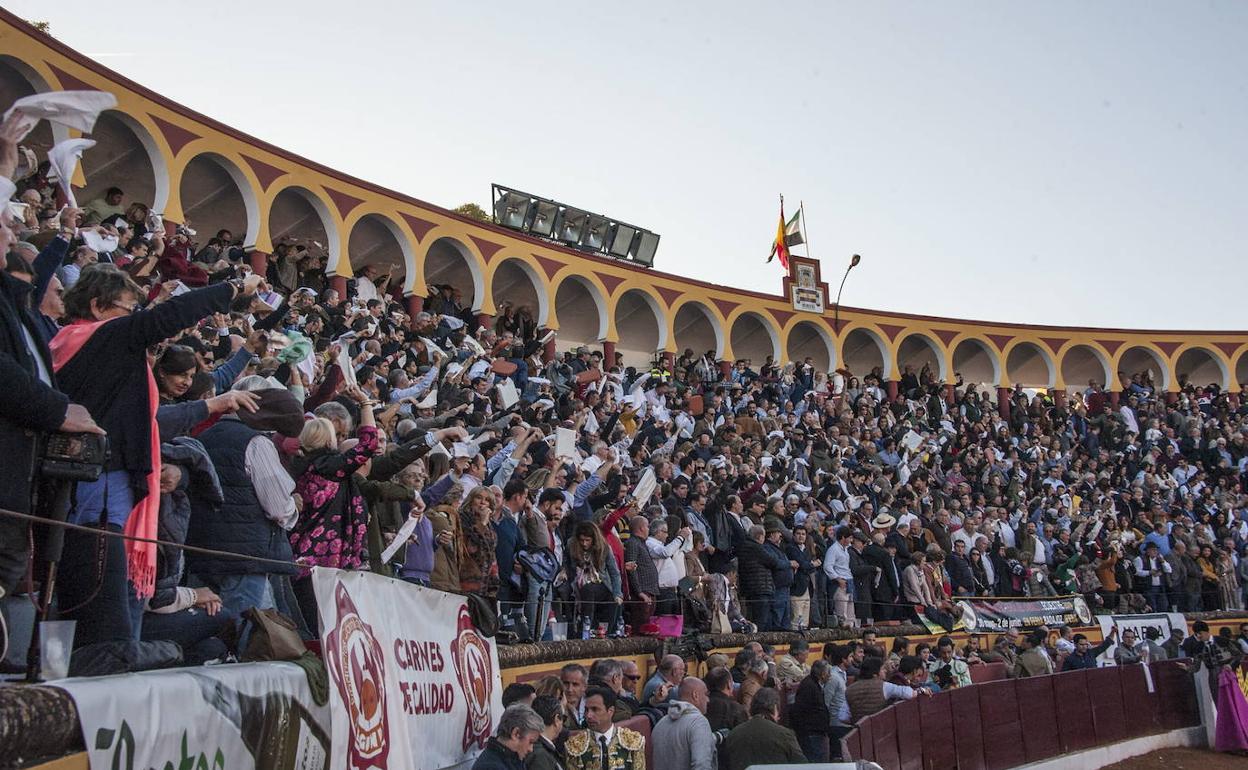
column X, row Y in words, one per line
column 1063, row 163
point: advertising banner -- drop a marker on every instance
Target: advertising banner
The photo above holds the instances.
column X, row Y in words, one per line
column 412, row 684
column 243, row 716
column 1162, row 621
column 996, row 615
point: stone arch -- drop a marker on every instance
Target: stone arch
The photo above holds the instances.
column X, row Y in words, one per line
column 127, row 156
column 580, row 312
column 515, row 281
column 807, row 338
column 976, row 361
column 448, row 260
column 751, row 336
column 296, row 214
column 1201, row 366
column 695, row 327
column 640, row 326
column 375, row 239
column 216, row 195
column 19, row 79
column 915, row 350
column 1081, row 363
column 863, row 349
column 1140, row 358
column 1241, row 367
column 1030, row 365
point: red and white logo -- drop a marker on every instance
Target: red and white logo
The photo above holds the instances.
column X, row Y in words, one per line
column 354, row 659
column 475, row 671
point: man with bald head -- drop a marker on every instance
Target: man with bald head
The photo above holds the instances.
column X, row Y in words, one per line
column 684, row 738
column 660, row 688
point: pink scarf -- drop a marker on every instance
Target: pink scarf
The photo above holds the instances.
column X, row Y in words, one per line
column 140, row 556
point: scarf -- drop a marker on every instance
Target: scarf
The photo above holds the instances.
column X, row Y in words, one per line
column 140, row 556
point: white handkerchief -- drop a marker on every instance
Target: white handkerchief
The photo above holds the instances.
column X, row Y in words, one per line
column 474, row 346
column 508, row 393
column 63, row 159
column 452, row 322
column 432, row 347
column 464, row 449
column 99, row 244
column 74, row 109
column 400, row 538
column 591, row 423
column 565, row 443
column 430, row 401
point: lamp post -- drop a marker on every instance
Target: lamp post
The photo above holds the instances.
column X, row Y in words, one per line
column 836, row 318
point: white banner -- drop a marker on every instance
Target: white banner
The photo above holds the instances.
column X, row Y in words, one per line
column 413, row 686
column 1162, row 621
column 233, row 717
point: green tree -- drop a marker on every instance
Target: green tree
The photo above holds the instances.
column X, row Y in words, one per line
column 473, row 211
column 42, row 26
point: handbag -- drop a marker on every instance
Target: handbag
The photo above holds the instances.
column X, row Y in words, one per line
column 671, row 626
column 273, row 636
column 720, row 624
column 539, row 562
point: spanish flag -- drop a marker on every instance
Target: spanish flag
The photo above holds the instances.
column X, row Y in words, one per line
column 787, row 234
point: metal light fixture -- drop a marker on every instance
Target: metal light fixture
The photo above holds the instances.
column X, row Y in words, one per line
column 572, row 224
column 511, row 209
column 596, row 232
column 647, row 244
column 544, row 215
column 621, row 240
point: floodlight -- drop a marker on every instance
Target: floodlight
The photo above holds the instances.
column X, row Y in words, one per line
column 512, row 209
column 647, row 244
column 572, row 225
column 544, row 215
column 621, row 240
column 596, row 232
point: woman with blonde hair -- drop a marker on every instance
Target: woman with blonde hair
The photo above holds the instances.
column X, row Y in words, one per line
column 332, row 531
column 478, row 569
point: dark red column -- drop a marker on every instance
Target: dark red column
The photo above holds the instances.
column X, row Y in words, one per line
column 415, row 304
column 1059, row 397
column 1233, row 397
column 548, row 351
column 725, row 369
column 891, row 388
column 608, row 355
column 1113, row 399
column 950, row 393
column 1003, row 403
column 1172, row 398
column 259, row 262
column 484, row 319
column 339, row 284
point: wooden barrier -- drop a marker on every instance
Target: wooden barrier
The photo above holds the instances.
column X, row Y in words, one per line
column 1011, row 722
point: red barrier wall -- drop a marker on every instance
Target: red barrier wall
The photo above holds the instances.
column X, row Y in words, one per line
column 1008, row 723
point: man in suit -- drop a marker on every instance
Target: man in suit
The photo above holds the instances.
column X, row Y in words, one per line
column 762, row 740
column 623, row 749
column 509, row 541
column 887, row 580
column 1034, row 661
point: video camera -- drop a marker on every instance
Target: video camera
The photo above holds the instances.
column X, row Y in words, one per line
column 73, row 456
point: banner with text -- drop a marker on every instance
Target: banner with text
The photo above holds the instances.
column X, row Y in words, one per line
column 1162, row 621
column 996, row 615
column 232, row 717
column 413, row 686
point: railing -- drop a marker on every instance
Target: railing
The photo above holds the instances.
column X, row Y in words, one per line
column 1015, row 721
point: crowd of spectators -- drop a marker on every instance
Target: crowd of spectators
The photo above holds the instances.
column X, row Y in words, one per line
column 273, row 417
column 765, row 708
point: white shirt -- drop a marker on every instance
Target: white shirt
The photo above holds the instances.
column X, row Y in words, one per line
column 365, row 289
column 667, row 559
column 273, row 485
column 836, row 563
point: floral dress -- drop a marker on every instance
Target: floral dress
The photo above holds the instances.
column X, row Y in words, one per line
column 332, row 531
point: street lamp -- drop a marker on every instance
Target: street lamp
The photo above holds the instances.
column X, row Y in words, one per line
column 836, row 319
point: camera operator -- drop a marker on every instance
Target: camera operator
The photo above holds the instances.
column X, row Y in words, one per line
column 30, row 405
column 101, row 359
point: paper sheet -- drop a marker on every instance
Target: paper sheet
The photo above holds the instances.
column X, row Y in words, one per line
column 565, row 443
column 98, row 243
column 404, row 533
column 912, row 441
column 645, row 488
column 63, row 159
column 73, row 109
column 507, row 393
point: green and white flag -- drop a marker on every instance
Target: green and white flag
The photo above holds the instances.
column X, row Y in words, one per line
column 793, row 230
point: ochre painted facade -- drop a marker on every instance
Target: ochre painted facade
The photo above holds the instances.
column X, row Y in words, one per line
column 174, row 136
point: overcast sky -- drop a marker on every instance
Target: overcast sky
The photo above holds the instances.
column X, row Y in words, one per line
column 1062, row 162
